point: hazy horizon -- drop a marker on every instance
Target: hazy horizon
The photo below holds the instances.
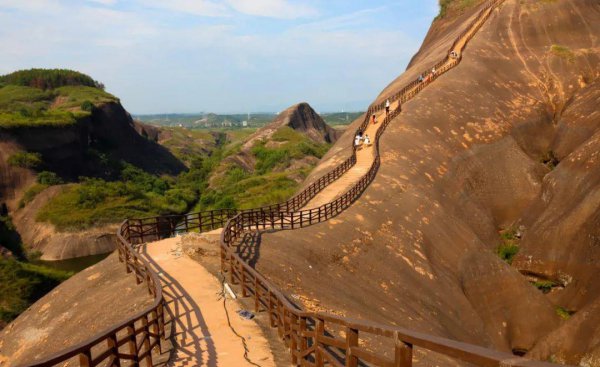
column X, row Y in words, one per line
column 184, row 56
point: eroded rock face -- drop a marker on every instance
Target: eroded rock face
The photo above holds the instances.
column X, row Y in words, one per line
column 56, row 245
column 302, row 118
column 64, row 151
column 299, row 117
column 508, row 139
column 86, row 304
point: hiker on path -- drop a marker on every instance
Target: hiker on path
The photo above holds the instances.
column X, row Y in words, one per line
column 421, row 78
column 387, row 107
column 367, row 141
column 433, row 71
column 374, row 119
column 358, row 139
column 454, row 54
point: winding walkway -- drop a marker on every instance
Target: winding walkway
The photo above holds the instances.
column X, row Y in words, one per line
column 192, row 346
column 189, row 297
column 202, row 334
column 366, row 155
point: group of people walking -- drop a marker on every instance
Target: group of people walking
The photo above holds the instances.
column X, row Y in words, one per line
column 361, row 140
column 429, row 77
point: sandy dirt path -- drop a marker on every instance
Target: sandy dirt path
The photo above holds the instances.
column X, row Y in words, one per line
column 203, row 336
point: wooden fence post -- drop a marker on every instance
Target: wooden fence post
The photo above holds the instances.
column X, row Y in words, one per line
column 114, row 347
column 294, row 339
column 351, row 341
column 146, row 342
column 256, row 295
column 402, row 353
column 132, row 342
column 85, row 359
column 319, row 331
column 243, row 280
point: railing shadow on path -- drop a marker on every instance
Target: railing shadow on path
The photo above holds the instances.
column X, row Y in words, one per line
column 187, row 322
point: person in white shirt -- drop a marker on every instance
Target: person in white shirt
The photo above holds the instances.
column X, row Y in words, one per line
column 387, row 107
column 367, row 140
column 358, row 139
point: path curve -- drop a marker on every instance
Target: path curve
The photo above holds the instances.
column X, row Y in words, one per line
column 193, row 296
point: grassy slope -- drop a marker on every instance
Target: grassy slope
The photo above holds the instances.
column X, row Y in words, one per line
column 27, row 106
column 455, row 6
column 272, row 181
column 21, row 284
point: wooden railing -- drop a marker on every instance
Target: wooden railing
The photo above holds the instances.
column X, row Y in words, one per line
column 311, row 337
column 132, row 341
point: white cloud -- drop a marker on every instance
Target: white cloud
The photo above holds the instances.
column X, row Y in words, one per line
column 104, row 2
column 30, row 5
column 282, row 9
column 196, row 7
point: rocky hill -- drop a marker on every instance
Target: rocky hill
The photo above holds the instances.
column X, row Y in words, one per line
column 61, row 123
column 300, row 118
column 269, row 165
column 56, row 127
column 482, row 222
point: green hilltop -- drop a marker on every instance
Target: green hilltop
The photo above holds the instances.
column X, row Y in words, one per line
column 48, row 97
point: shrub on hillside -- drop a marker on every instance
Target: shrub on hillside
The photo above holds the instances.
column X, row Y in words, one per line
column 25, row 160
column 21, row 284
column 544, row 285
column 31, row 193
column 49, row 78
column 49, row 178
column 87, row 106
column 507, row 251
column 562, row 52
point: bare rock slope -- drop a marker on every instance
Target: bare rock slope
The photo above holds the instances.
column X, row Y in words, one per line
column 73, row 312
column 507, row 142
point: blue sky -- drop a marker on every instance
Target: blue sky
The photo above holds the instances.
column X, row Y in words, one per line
column 184, row 56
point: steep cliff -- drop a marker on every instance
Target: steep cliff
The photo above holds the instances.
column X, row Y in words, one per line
column 498, row 153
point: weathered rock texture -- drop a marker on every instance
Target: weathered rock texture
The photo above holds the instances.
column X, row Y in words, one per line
column 56, row 245
column 64, row 150
column 86, row 304
column 472, row 155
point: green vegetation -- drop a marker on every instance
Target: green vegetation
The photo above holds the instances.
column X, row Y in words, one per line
column 239, row 189
column 126, row 191
column 234, row 123
column 564, row 313
column 38, row 97
column 49, row 178
column 509, row 247
column 21, row 284
column 187, row 144
column 562, row 52
column 49, row 78
column 76, row 96
column 31, row 193
column 544, row 285
column 44, row 179
column 459, row 5
column 136, row 194
column 25, row 160
column 272, row 180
